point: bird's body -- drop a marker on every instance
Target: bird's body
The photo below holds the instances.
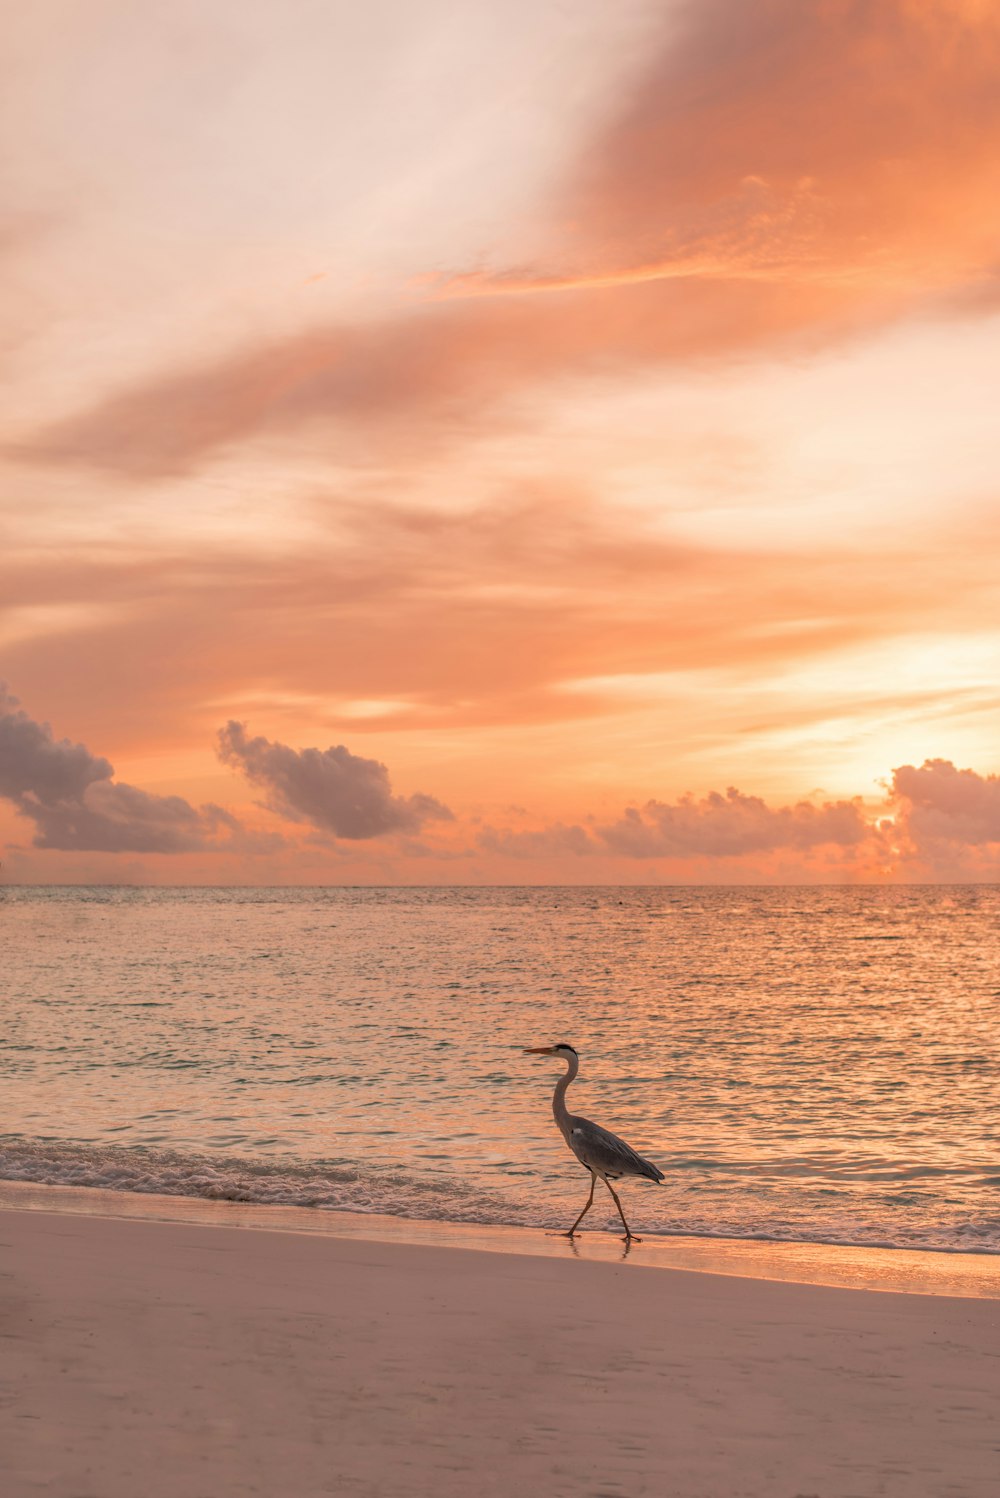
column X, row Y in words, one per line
column 598, row 1150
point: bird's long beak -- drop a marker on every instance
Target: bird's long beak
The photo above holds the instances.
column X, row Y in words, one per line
column 539, row 1050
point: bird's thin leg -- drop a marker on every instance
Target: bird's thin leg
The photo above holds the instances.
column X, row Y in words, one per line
column 590, row 1203
column 629, row 1235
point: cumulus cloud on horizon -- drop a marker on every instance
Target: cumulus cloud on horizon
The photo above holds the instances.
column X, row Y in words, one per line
column 713, row 826
column 932, row 812
column 77, row 806
column 718, row 826
column 936, row 816
column 333, row 789
column 938, row 803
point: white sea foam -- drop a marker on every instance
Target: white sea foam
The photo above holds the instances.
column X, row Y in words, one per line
column 341, row 1189
column 220, row 1178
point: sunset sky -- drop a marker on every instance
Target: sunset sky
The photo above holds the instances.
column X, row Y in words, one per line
column 501, row 443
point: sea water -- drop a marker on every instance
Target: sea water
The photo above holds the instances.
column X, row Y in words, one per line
column 814, row 1064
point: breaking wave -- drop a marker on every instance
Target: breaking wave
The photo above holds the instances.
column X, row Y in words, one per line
column 339, row 1187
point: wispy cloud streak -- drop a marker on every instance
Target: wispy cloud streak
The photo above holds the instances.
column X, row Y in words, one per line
column 800, row 141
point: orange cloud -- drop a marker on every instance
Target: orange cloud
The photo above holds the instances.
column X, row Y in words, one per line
column 825, row 140
column 522, row 612
column 782, row 174
column 778, row 177
column 429, row 376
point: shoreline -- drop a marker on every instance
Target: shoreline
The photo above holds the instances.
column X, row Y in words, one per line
column 926, row 1272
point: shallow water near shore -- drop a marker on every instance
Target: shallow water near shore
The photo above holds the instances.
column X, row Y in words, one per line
column 897, row 1271
column 811, row 1065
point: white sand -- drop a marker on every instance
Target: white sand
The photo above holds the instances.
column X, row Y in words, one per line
column 142, row 1359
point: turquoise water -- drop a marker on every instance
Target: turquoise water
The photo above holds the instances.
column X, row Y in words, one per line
column 811, row 1064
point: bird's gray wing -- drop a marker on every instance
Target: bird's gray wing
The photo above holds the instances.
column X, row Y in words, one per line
column 604, row 1152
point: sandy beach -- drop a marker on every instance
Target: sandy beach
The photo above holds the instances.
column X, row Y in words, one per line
column 160, row 1358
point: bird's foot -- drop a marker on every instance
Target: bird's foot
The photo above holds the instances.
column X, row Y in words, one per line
column 631, row 1238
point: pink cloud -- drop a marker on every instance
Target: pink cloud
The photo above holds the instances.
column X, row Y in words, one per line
column 944, row 823
column 731, row 825
column 940, row 804
column 712, row 827
column 332, row 789
column 76, row 805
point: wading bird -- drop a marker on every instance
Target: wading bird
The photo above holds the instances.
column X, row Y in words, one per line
column 598, row 1150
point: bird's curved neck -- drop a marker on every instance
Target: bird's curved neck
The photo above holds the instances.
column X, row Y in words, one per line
column 559, row 1108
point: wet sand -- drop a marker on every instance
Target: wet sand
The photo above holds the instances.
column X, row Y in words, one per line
column 155, row 1358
